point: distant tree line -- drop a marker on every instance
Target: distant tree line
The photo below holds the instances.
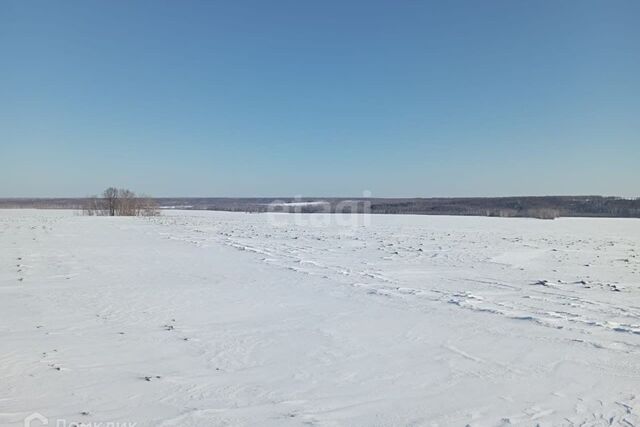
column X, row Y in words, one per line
column 544, row 207
column 120, row 202
column 117, row 203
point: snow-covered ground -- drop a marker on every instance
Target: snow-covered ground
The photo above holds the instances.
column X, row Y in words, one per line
column 212, row 318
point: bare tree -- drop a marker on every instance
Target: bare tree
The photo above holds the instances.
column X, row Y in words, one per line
column 110, row 196
column 120, row 202
column 94, row 206
column 126, row 203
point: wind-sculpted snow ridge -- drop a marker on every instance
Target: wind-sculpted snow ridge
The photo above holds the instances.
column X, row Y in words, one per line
column 212, row 318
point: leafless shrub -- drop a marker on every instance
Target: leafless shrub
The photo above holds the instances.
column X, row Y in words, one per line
column 120, row 202
column 126, row 203
column 110, row 197
column 94, row 206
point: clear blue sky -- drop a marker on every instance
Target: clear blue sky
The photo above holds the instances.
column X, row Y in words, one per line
column 318, row 98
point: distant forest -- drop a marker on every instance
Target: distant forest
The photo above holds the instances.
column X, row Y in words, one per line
column 547, row 207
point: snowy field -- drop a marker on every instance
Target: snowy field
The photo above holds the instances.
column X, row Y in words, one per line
column 224, row 319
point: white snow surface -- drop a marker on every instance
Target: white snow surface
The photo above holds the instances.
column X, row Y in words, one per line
column 228, row 319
